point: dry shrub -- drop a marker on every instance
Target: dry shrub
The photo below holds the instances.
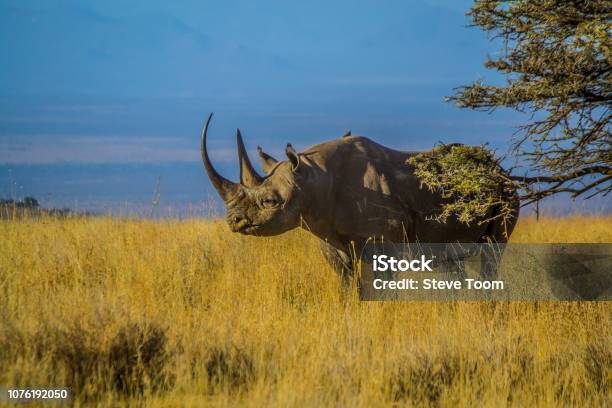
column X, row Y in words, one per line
column 430, row 379
column 230, row 369
column 516, row 360
column 138, row 357
column 135, row 360
column 74, row 353
column 597, row 362
column 425, row 379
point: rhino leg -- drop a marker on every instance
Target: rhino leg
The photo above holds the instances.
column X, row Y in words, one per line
column 490, row 259
column 490, row 255
column 454, row 268
column 339, row 260
column 496, row 236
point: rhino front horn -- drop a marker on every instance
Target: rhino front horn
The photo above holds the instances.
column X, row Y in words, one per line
column 248, row 175
column 224, row 187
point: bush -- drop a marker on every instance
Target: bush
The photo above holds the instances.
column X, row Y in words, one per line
column 470, row 180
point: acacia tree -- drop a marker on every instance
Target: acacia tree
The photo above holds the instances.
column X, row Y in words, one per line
column 556, row 60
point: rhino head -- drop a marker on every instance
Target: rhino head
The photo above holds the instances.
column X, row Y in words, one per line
column 259, row 205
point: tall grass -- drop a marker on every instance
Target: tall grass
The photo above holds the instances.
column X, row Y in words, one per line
column 186, row 313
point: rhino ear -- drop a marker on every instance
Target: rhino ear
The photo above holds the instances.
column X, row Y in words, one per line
column 347, row 134
column 267, row 162
column 293, row 156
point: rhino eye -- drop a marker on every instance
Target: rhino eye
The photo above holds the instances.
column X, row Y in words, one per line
column 269, row 202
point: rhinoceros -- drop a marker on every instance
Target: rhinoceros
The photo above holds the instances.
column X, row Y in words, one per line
column 344, row 191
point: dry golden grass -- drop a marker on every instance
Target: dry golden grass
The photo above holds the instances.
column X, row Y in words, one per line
column 186, row 313
column 575, row 228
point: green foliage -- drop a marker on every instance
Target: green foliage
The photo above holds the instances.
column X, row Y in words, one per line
column 557, row 61
column 471, row 181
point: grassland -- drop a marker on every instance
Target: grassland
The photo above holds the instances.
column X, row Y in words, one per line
column 184, row 313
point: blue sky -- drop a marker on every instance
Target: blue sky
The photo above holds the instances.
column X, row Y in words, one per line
column 87, row 86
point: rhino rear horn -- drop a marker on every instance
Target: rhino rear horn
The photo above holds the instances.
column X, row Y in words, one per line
column 248, row 175
column 224, row 187
column 267, row 162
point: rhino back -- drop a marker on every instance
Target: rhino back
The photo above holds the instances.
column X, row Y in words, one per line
column 376, row 193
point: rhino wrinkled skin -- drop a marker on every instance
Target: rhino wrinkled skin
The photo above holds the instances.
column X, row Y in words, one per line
column 344, row 191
